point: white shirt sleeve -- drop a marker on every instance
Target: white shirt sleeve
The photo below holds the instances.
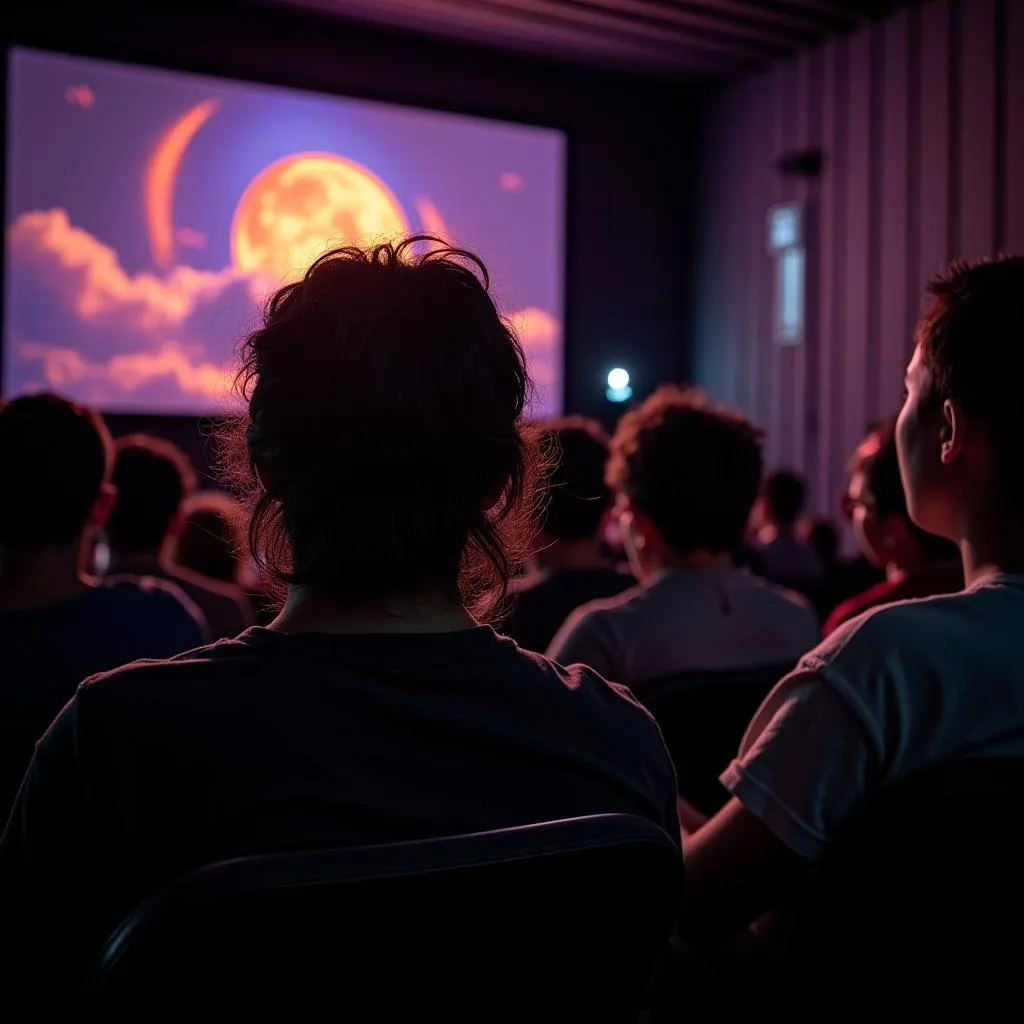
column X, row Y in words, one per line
column 806, row 764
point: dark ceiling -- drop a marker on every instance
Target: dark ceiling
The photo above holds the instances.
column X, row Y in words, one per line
column 684, row 38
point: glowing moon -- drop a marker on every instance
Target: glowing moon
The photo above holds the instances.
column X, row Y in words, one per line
column 161, row 174
column 297, row 207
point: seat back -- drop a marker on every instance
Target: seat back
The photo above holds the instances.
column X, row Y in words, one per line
column 566, row 919
column 703, row 716
column 919, row 905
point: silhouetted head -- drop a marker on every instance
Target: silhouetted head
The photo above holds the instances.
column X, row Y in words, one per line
column 210, row 541
column 576, row 494
column 686, row 468
column 876, row 506
column 959, row 429
column 783, row 498
column 821, row 537
column 153, row 477
column 55, row 460
column 383, row 430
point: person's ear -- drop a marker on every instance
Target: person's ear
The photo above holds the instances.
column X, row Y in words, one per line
column 102, row 507
column 952, row 434
column 644, row 532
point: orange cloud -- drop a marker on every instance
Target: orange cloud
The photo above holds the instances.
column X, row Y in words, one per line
column 536, row 327
column 111, row 334
column 87, row 276
column 65, row 367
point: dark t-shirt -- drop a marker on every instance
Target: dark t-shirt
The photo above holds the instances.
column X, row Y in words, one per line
column 543, row 604
column 225, row 606
column 48, row 651
column 273, row 741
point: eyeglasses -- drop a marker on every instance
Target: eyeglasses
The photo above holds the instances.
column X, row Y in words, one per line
column 848, row 506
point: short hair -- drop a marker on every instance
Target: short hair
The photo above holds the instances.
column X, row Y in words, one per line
column 152, row 477
column 55, row 456
column 210, row 540
column 784, row 493
column 692, row 468
column 876, row 458
column 385, row 396
column 972, row 341
column 576, row 494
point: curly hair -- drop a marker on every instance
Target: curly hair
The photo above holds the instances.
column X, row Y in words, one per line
column 972, row 341
column 692, row 468
column 383, row 450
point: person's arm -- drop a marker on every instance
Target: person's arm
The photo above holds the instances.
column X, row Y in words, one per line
column 690, row 819
column 46, row 878
column 736, row 870
column 807, row 766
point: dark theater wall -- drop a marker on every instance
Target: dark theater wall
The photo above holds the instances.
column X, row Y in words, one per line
column 632, row 161
column 920, row 119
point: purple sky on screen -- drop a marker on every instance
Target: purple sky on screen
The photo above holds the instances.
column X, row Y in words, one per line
column 134, row 268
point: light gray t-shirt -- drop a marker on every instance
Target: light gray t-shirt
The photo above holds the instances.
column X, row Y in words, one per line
column 900, row 689
column 711, row 618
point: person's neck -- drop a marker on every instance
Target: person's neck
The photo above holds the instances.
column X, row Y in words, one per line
column 916, row 564
column 571, row 554
column 991, row 544
column 40, row 577
column 132, row 562
column 309, row 610
column 676, row 560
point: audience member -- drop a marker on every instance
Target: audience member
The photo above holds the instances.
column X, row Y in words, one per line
column 908, row 686
column 686, row 476
column 571, row 567
column 56, row 626
column 153, row 478
column 916, row 563
column 782, row 557
column 376, row 707
column 211, row 541
column 842, row 578
column 820, row 536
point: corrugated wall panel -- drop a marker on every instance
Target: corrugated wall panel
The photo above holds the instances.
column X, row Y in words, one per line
column 921, row 122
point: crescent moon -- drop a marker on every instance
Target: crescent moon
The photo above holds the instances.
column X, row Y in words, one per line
column 162, row 173
column 432, row 221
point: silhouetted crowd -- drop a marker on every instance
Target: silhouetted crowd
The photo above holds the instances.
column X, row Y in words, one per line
column 468, row 621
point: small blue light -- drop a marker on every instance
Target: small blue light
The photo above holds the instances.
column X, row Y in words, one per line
column 619, row 394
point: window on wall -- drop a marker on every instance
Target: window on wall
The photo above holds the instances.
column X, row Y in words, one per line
column 786, row 245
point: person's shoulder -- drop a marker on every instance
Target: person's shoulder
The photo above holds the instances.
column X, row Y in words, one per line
column 142, row 593
column 188, row 579
column 904, row 630
column 778, row 596
column 147, row 675
column 624, row 603
column 585, row 686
